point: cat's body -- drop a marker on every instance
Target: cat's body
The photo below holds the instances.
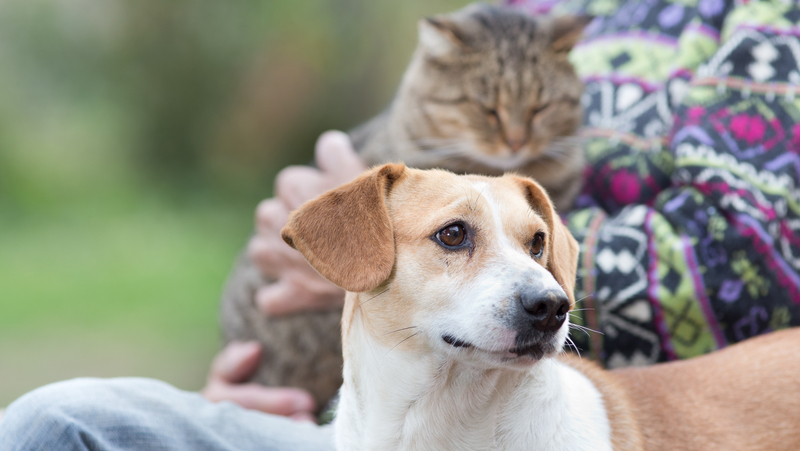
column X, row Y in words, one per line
column 489, row 90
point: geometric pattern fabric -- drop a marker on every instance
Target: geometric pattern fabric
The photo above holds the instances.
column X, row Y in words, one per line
column 689, row 223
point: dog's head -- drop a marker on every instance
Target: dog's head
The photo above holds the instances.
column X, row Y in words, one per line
column 472, row 267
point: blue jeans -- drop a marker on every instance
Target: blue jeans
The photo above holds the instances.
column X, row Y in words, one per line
column 145, row 414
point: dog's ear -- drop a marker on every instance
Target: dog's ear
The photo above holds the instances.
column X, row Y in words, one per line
column 562, row 249
column 346, row 234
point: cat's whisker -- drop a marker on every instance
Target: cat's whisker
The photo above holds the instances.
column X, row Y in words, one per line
column 437, row 142
column 446, row 152
column 437, row 156
column 562, row 148
column 459, row 146
column 435, row 147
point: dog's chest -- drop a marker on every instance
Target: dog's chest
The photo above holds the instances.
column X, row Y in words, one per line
column 555, row 409
column 558, row 410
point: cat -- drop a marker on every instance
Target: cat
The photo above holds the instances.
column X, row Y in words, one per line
column 488, row 90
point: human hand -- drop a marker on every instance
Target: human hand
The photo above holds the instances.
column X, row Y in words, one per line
column 235, row 364
column 298, row 286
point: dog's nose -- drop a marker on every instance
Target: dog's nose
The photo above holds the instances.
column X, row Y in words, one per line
column 547, row 311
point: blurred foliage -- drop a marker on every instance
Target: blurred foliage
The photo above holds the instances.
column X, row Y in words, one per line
column 193, row 94
column 136, row 137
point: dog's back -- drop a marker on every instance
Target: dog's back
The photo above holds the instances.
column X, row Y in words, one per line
column 744, row 397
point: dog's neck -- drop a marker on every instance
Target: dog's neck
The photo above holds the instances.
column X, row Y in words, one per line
column 395, row 399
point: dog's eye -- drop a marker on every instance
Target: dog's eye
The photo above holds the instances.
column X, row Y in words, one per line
column 537, row 245
column 452, row 235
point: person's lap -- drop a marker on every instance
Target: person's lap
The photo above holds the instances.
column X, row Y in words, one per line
column 132, row 413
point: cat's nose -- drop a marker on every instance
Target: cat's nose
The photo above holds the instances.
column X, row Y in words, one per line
column 515, row 144
column 515, row 136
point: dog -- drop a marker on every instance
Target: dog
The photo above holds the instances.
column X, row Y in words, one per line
column 458, row 296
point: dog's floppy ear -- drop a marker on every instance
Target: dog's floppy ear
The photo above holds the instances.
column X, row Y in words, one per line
column 346, row 233
column 562, row 249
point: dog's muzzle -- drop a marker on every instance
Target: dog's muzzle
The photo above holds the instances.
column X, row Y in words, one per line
column 547, row 310
column 539, row 314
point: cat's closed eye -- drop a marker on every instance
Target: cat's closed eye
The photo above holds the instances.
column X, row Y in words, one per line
column 492, row 114
column 541, row 108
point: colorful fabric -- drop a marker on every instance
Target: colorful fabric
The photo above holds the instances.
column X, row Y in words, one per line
column 690, row 222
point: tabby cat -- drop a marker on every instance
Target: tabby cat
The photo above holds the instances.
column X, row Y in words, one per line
column 488, row 90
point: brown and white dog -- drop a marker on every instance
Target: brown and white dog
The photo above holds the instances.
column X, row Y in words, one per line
column 459, row 289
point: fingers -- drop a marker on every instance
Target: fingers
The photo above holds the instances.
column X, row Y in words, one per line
column 277, row 298
column 338, row 163
column 297, row 184
column 271, row 216
column 298, row 286
column 236, row 362
column 301, row 416
column 335, row 156
column 267, row 249
column 277, row 401
column 284, row 298
column 272, row 255
column 292, row 295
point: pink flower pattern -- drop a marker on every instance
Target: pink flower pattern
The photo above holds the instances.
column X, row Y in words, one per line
column 625, row 187
column 794, row 144
column 750, row 129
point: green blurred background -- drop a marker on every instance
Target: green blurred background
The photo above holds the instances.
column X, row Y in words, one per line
column 136, row 137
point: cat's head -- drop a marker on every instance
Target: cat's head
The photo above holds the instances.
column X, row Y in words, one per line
column 492, row 85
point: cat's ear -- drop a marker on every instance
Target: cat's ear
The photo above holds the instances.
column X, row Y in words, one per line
column 440, row 37
column 567, row 30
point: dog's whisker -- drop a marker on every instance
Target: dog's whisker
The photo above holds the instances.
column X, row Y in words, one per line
column 401, row 342
column 584, row 328
column 398, row 330
column 587, row 333
column 472, row 207
column 494, row 386
column 579, row 300
column 571, row 317
column 480, row 194
column 373, row 297
column 575, row 347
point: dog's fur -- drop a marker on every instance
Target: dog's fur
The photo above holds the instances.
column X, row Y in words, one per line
column 443, row 349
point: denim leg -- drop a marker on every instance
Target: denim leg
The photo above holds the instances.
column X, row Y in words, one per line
column 145, row 414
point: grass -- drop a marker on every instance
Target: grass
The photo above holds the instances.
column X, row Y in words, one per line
column 131, row 291
column 99, row 274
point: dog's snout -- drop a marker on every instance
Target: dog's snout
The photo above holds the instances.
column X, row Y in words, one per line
column 547, row 311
